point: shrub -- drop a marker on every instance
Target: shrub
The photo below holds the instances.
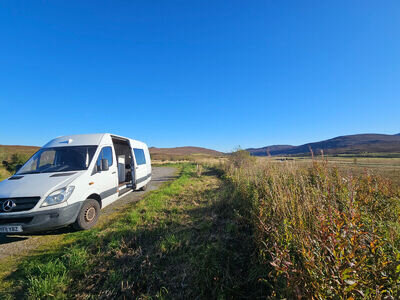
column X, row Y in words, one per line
column 241, row 159
column 16, row 159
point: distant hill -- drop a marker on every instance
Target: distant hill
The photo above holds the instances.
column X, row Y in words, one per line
column 184, row 151
column 7, row 150
column 270, row 150
column 349, row 144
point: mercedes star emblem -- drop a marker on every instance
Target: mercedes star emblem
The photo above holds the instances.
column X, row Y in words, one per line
column 8, row 205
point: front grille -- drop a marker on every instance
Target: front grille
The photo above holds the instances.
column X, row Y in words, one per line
column 15, row 221
column 21, row 203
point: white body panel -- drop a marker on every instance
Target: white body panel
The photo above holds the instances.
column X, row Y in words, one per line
column 87, row 183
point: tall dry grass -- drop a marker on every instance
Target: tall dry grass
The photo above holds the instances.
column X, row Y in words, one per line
column 318, row 232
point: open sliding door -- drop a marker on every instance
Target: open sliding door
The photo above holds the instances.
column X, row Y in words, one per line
column 140, row 167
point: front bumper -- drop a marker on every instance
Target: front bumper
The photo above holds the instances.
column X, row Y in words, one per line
column 44, row 220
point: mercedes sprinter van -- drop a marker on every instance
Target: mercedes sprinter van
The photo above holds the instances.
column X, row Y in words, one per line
column 70, row 179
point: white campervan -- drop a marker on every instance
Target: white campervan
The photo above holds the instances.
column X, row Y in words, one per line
column 70, row 179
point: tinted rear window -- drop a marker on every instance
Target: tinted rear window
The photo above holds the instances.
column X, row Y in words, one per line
column 139, row 155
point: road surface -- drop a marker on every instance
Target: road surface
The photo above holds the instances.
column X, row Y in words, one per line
column 11, row 245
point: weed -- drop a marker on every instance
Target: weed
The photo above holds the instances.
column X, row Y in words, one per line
column 320, row 233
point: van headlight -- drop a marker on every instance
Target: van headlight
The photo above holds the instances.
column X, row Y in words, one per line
column 58, row 196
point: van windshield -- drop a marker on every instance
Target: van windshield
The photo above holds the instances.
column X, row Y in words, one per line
column 59, row 159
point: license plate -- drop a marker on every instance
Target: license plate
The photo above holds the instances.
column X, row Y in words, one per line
column 8, row 229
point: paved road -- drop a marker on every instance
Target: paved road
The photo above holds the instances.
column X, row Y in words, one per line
column 20, row 244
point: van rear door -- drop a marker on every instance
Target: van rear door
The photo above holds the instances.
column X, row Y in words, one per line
column 140, row 166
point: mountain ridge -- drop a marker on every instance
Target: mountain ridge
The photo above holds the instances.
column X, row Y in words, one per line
column 347, row 144
column 185, row 150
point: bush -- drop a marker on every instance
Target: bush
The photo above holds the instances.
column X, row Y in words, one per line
column 241, row 158
column 16, row 159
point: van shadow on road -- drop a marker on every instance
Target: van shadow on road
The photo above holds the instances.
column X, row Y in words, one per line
column 6, row 239
column 9, row 238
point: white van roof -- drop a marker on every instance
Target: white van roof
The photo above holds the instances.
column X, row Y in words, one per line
column 87, row 140
column 76, row 140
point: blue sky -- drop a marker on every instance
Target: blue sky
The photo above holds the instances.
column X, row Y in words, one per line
column 216, row 74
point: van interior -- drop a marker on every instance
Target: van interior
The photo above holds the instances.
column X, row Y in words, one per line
column 124, row 160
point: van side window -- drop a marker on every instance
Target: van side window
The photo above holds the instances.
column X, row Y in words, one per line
column 106, row 153
column 139, row 155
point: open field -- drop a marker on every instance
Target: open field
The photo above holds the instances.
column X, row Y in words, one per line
column 162, row 158
column 388, row 167
column 377, row 164
column 199, row 159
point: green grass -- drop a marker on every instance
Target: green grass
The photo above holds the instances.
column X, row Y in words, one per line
column 180, row 241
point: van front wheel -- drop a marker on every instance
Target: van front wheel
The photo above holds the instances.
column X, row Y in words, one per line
column 88, row 215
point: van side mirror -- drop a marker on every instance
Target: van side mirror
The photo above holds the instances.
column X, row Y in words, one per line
column 17, row 167
column 104, row 165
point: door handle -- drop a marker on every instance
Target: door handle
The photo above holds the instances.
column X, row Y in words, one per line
column 114, row 172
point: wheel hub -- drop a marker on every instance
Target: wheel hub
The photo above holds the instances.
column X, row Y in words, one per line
column 90, row 214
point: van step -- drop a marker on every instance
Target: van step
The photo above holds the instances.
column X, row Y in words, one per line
column 123, row 191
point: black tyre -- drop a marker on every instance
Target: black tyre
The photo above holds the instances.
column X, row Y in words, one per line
column 88, row 215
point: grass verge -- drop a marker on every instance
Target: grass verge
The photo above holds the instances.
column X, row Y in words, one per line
column 184, row 240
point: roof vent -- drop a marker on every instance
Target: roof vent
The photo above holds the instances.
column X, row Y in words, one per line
column 69, row 141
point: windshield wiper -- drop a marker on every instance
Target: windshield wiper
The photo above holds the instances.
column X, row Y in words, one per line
column 31, row 172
